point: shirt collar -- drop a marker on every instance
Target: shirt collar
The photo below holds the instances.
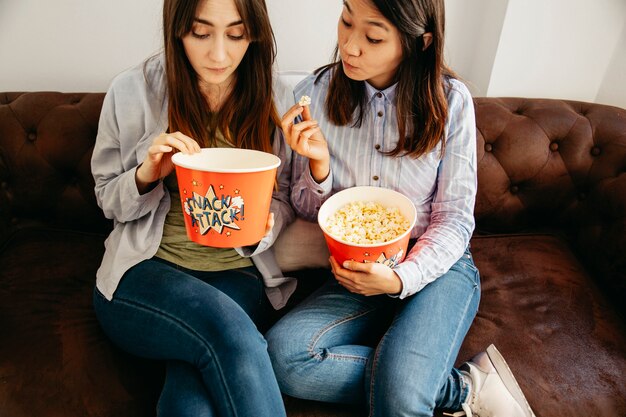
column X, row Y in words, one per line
column 389, row 93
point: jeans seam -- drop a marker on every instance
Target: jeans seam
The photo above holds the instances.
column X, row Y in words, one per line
column 188, row 329
column 318, row 336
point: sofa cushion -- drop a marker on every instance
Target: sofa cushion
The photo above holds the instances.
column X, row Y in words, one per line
column 541, row 308
column 301, row 246
column 54, row 360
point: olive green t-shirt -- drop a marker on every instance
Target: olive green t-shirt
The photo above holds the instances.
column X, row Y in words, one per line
column 176, row 247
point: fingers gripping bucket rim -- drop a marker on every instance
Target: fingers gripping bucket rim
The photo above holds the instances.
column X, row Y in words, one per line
column 389, row 253
column 226, row 194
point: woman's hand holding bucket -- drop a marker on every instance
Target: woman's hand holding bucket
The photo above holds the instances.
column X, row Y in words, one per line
column 158, row 163
column 367, row 279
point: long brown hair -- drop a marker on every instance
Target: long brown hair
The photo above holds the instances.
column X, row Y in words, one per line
column 422, row 107
column 248, row 116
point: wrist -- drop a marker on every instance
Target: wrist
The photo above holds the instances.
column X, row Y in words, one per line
column 396, row 285
column 143, row 185
column 319, row 170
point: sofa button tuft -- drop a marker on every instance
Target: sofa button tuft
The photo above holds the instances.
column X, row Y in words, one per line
column 582, row 196
column 488, row 147
column 554, row 146
column 595, row 151
column 4, row 185
column 32, row 136
column 14, row 220
column 514, row 189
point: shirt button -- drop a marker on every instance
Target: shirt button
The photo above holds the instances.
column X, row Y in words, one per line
column 377, row 146
column 320, row 191
column 381, row 114
column 379, row 95
column 375, row 177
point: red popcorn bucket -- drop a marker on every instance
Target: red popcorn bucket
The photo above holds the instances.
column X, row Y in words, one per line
column 391, row 252
column 226, row 194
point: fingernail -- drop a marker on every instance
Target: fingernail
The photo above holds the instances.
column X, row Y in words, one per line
column 346, row 264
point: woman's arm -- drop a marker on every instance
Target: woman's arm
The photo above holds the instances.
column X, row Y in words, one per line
column 312, row 178
column 114, row 163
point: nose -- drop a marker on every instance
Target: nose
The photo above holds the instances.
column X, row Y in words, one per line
column 217, row 51
column 351, row 45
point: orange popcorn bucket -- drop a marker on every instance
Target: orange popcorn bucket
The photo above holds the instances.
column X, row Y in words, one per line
column 390, row 253
column 226, row 194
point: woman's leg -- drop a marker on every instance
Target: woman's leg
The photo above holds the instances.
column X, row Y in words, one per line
column 184, row 393
column 320, row 348
column 161, row 312
column 412, row 370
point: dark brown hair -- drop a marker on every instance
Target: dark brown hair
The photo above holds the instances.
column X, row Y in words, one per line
column 248, row 116
column 422, row 107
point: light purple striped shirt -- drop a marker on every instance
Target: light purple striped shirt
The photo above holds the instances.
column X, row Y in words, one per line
column 442, row 189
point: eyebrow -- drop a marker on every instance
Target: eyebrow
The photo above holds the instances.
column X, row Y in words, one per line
column 370, row 22
column 206, row 22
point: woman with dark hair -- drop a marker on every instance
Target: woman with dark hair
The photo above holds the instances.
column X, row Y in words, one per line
column 158, row 295
column 389, row 113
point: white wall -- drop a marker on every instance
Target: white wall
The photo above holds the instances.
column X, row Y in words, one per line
column 473, row 31
column 73, row 45
column 570, row 49
column 613, row 88
column 557, row 48
column 79, row 45
column 305, row 30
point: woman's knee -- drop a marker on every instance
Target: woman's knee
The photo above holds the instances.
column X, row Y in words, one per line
column 289, row 354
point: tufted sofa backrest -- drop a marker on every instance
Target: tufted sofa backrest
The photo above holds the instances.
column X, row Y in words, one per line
column 548, row 163
column 542, row 164
column 46, row 140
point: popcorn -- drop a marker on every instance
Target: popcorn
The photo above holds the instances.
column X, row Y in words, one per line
column 365, row 223
column 304, row 101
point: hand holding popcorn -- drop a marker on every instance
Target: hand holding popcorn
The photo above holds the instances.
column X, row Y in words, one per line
column 306, row 138
column 305, row 102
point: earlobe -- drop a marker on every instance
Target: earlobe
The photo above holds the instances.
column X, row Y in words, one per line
column 427, row 39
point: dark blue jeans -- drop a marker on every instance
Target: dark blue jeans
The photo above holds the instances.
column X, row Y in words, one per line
column 203, row 325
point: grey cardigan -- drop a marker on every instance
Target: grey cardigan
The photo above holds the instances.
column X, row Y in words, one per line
column 134, row 112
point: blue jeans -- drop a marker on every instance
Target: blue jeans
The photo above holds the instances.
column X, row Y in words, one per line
column 396, row 357
column 201, row 323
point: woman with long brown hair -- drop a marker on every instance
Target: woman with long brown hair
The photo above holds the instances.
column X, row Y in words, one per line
column 389, row 113
column 159, row 295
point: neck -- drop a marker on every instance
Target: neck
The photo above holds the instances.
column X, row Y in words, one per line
column 216, row 94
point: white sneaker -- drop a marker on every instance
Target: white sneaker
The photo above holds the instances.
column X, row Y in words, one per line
column 494, row 392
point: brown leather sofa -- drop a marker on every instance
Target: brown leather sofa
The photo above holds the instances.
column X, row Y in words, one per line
column 550, row 245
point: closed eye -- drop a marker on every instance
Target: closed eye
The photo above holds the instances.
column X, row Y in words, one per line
column 346, row 24
column 374, row 41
